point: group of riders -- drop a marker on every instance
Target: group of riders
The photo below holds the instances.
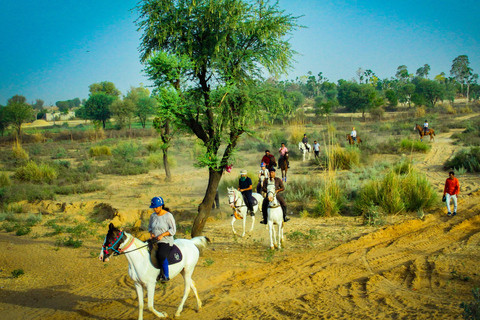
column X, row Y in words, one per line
column 266, row 177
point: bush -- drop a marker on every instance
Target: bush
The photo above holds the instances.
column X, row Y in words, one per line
column 414, row 146
column 4, row 180
column 100, row 151
column 19, row 153
column 26, row 191
column 155, row 160
column 17, row 273
column 471, row 311
column 32, row 172
column 468, row 159
column 373, row 215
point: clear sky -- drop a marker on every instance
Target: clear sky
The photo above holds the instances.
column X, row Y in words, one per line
column 53, row 50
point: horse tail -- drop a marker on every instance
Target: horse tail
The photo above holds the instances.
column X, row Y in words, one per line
column 201, row 242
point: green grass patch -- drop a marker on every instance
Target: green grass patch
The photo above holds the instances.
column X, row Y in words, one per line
column 32, row 172
column 466, row 158
column 414, row 146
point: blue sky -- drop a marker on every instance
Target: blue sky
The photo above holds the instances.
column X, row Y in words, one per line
column 53, row 50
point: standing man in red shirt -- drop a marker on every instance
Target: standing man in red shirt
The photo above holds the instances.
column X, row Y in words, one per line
column 452, row 188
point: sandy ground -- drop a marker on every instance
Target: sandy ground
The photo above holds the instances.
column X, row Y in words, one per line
column 411, row 269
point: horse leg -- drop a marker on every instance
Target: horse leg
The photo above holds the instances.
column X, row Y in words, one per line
column 271, row 232
column 188, row 284
column 233, row 222
column 280, row 235
column 194, row 289
column 150, row 294
column 244, row 222
column 139, row 288
column 255, row 208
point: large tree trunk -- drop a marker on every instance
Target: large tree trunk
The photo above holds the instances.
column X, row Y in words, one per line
column 168, row 176
column 206, row 206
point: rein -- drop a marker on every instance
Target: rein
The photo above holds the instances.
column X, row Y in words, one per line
column 274, row 197
column 120, row 251
column 235, row 200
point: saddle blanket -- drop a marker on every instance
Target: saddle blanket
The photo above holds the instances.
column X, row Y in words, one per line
column 175, row 256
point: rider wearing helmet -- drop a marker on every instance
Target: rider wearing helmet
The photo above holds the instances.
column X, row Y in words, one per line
column 245, row 187
column 262, row 175
column 162, row 228
column 279, row 187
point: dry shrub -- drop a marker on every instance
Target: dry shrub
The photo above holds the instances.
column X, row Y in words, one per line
column 38, row 137
column 100, row 151
column 18, row 152
column 466, row 109
column 420, row 112
column 4, row 180
column 448, row 108
column 96, row 134
column 297, row 134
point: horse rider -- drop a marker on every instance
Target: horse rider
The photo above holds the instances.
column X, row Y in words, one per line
column 425, row 127
column 245, row 187
column 269, row 160
column 262, row 175
column 353, row 134
column 283, row 150
column 305, row 142
column 162, row 228
column 316, row 148
column 279, row 187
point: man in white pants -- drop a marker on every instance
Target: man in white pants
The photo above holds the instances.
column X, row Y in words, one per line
column 451, row 190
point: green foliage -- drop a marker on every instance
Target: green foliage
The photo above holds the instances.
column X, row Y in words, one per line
column 17, row 273
column 471, row 310
column 357, row 97
column 70, row 242
column 300, row 236
column 26, row 191
column 105, row 87
column 32, row 172
column 97, row 107
column 208, row 262
column 373, row 215
column 466, row 158
column 429, row 92
column 23, row 230
column 17, row 112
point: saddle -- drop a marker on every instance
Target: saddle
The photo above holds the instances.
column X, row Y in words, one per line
column 254, row 201
column 175, row 255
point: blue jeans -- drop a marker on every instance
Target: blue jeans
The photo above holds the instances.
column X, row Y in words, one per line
column 454, row 198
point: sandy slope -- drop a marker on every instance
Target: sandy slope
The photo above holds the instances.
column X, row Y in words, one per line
column 415, row 269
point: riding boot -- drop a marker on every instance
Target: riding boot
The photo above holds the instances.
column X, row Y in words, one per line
column 164, row 274
column 285, row 218
column 250, row 209
column 264, row 214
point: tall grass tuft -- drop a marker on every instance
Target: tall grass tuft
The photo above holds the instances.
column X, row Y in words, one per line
column 4, row 180
column 19, row 153
column 396, row 192
column 32, row 172
column 414, row 145
column 297, row 134
column 330, row 199
column 340, row 158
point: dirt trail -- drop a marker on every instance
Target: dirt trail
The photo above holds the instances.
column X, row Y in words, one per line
column 415, row 269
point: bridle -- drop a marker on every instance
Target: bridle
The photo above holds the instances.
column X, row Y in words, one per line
column 274, row 196
column 117, row 251
column 234, row 202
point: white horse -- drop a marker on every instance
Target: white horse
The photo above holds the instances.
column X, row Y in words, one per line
column 304, row 150
column 235, row 199
column 144, row 274
column 275, row 216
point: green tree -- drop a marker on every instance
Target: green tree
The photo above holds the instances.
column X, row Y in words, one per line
column 211, row 52
column 123, row 112
column 145, row 108
column 405, row 92
column 402, row 74
column 38, row 104
column 17, row 112
column 97, row 107
column 461, row 70
column 3, row 120
column 391, row 97
column 431, row 92
column 106, row 87
column 357, row 97
column 423, row 72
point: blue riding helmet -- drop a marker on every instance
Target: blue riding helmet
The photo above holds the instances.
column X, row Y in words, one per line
column 157, row 202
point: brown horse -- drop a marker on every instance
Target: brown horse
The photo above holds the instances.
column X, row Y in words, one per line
column 283, row 163
column 351, row 141
column 430, row 132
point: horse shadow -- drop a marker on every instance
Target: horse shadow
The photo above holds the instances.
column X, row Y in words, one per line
column 54, row 298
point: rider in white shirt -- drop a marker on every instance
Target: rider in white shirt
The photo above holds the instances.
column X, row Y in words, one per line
column 425, row 127
column 353, row 134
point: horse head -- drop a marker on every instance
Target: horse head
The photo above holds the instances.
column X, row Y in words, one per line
column 233, row 196
column 271, row 194
column 286, row 156
column 112, row 242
